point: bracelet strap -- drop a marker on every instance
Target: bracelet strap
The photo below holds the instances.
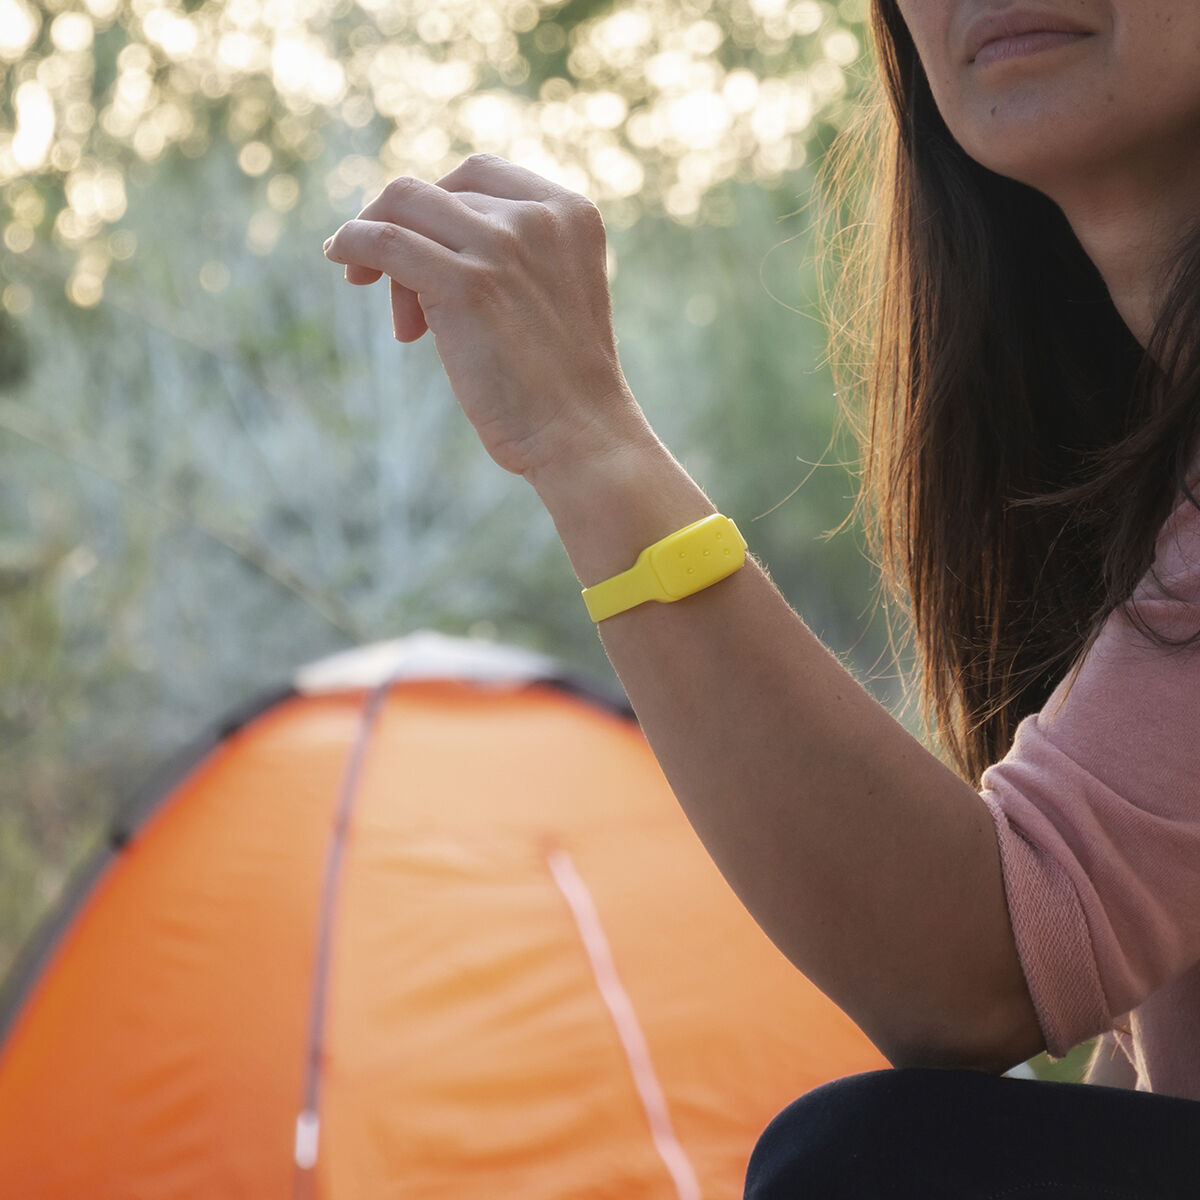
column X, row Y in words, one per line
column 684, row 562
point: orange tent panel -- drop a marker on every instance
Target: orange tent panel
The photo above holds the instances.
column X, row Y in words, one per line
column 534, row 982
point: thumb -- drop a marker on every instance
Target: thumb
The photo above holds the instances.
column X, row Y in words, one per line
column 408, row 318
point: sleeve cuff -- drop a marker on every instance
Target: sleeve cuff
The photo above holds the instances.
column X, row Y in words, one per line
column 1050, row 930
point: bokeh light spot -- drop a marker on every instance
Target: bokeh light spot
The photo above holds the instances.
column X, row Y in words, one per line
column 19, row 25
column 255, row 158
column 72, row 31
column 85, row 288
column 17, row 299
column 283, row 192
column 655, row 107
column 263, row 232
column 214, row 277
column 18, row 237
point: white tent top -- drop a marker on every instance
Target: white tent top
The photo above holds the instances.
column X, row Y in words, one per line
column 425, row 655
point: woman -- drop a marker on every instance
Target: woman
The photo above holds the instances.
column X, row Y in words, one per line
column 1030, row 442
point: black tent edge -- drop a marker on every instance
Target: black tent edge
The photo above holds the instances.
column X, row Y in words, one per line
column 40, row 946
column 610, row 698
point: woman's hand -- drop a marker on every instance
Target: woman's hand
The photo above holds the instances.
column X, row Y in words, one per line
column 509, row 271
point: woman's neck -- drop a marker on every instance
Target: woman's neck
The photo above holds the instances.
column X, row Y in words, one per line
column 1131, row 227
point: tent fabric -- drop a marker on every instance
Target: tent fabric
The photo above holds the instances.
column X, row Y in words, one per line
column 524, row 939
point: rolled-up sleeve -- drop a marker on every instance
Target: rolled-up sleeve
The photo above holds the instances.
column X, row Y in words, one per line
column 1097, row 811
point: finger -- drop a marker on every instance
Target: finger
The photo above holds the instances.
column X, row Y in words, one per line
column 425, row 208
column 416, row 209
column 411, row 315
column 494, row 176
column 408, row 318
column 360, row 275
column 415, row 262
column 429, row 210
column 482, row 203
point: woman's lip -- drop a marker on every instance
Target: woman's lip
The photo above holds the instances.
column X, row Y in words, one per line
column 1015, row 23
column 1022, row 44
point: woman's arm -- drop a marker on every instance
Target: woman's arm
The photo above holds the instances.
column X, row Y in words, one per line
column 873, row 867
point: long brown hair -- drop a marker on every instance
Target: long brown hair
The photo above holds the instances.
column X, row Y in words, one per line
column 1019, row 450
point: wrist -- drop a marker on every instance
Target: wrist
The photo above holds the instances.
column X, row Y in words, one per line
column 612, row 502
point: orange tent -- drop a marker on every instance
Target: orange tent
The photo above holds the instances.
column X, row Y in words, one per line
column 429, row 924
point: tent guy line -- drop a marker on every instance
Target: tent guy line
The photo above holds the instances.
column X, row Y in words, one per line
column 633, row 1040
column 308, row 1121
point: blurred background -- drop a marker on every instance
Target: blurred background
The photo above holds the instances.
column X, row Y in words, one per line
column 216, row 463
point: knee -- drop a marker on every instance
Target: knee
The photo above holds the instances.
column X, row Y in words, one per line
column 847, row 1139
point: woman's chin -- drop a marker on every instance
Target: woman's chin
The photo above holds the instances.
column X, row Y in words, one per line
column 1032, row 131
column 1037, row 154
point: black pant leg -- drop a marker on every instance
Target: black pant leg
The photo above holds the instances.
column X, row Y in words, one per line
column 964, row 1135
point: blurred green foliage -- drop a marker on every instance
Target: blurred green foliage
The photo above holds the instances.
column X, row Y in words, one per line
column 645, row 106
column 1064, row 1070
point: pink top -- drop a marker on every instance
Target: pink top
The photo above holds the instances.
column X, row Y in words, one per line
column 1097, row 809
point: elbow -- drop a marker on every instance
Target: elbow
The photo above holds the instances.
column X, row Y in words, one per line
column 953, row 1059
column 991, row 1047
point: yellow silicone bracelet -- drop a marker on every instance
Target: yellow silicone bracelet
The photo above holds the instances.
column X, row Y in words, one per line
column 684, row 562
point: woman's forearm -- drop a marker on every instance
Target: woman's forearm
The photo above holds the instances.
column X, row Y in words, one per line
column 870, row 864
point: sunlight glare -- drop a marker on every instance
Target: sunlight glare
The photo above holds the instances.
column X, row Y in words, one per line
column 72, row 32
column 301, row 67
column 488, row 115
column 176, row 35
column 19, row 25
column 806, row 18
column 617, row 171
column 703, row 38
column 605, row 110
column 841, row 47
column 740, row 91
column 241, row 52
column 35, row 125
column 446, row 81
column 699, row 119
column 655, row 104
column 619, row 38
column 96, row 193
column 668, row 70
